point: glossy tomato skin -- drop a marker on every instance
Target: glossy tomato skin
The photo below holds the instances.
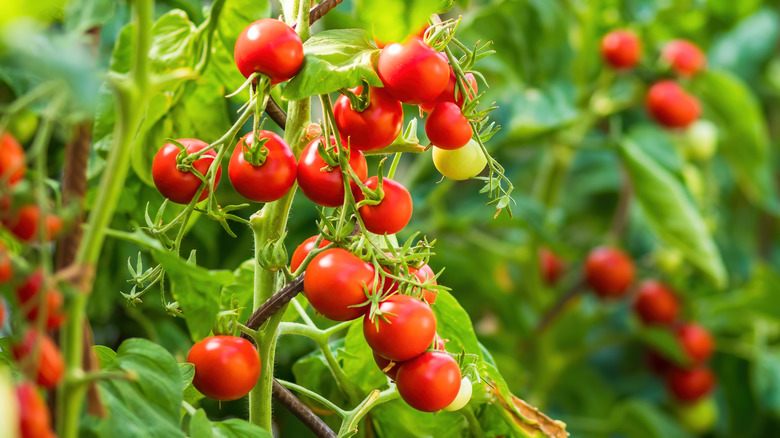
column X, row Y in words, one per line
column 656, row 303
column 392, row 213
column 303, row 250
column 387, row 366
column 462, row 163
column 412, row 72
column 27, row 294
column 671, row 106
column 429, row 382
column 552, row 266
column 47, row 366
column 6, row 266
column 12, row 160
column 326, row 188
column 690, row 385
column 34, row 416
column 685, row 58
column 268, row 181
column 696, row 341
column 374, row 128
column 621, row 49
column 24, row 222
column 334, row 284
column 447, row 127
column 609, row 272
column 449, row 94
column 270, row 47
column 404, row 330
column 226, row 367
column 180, row 187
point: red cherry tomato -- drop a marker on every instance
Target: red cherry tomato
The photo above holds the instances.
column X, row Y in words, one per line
column 449, row 94
column 180, row 187
column 609, row 271
column 392, row 213
column 268, row 181
column 447, row 128
column 671, row 106
column 690, row 385
column 429, row 382
column 621, row 49
column 685, row 58
column 387, row 366
column 27, row 294
column 226, row 367
column 303, row 250
column 375, row 127
column 335, row 284
column 412, row 72
column 270, row 47
column 696, row 341
column 34, row 416
column 6, row 267
column 12, row 160
column 24, row 224
column 42, row 361
column 656, row 303
column 322, row 185
column 404, row 329
column 426, row 275
column 552, row 266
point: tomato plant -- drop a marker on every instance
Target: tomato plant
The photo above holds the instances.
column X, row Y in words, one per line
column 412, row 72
column 373, row 128
column 391, row 214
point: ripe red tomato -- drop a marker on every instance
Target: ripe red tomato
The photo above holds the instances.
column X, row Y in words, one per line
column 392, row 213
column 426, row 274
column 685, row 58
column 387, row 366
column 609, row 271
column 2, row 313
column 322, row 185
column 375, row 127
column 412, row 72
column 690, row 385
column 656, row 303
column 552, row 266
column 696, row 341
column 671, row 106
column 335, row 284
column 23, row 223
column 429, row 382
column 452, row 91
column 46, row 365
column 6, row 267
column 404, row 329
column 270, row 47
column 12, row 160
column 34, row 416
column 27, row 294
column 303, row 250
column 180, row 187
column 268, row 181
column 226, row 367
column 621, row 49
column 447, row 127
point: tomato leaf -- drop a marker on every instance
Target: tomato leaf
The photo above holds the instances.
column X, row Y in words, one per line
column 83, row 15
column 196, row 289
column 397, row 419
column 454, row 325
column 334, row 59
column 745, row 48
column 359, row 361
column 736, row 111
column 640, row 419
column 149, row 404
column 664, row 342
column 671, row 213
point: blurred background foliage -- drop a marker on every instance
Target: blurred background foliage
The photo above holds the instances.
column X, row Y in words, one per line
column 563, row 117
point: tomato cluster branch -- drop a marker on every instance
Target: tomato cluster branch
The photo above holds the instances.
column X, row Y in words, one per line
column 274, row 304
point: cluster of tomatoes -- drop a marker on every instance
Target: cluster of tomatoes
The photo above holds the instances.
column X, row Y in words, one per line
column 40, row 303
column 667, row 102
column 400, row 328
column 610, row 273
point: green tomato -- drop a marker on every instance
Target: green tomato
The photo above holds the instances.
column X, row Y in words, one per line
column 668, row 260
column 462, row 163
column 463, row 397
column 699, row 417
column 701, row 140
column 23, row 126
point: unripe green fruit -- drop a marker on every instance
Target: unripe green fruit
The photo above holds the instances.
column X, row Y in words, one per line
column 698, row 418
column 668, row 260
column 700, row 141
